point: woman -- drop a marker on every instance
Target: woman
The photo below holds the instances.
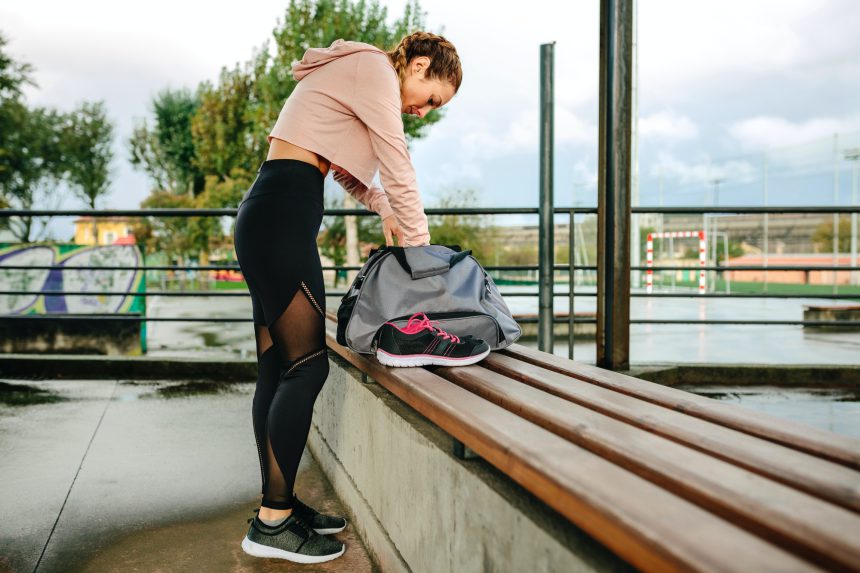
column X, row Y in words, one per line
column 344, row 115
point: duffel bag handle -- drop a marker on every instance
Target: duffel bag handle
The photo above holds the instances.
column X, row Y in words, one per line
column 426, row 260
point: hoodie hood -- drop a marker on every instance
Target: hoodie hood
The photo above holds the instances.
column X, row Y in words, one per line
column 315, row 58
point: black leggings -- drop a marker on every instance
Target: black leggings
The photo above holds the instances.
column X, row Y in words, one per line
column 275, row 241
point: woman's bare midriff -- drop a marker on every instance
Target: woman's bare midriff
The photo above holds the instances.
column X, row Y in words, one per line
column 280, row 149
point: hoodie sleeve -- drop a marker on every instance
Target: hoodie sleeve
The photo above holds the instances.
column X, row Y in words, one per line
column 376, row 103
column 371, row 197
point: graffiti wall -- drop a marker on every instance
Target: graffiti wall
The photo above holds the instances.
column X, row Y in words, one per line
column 90, row 280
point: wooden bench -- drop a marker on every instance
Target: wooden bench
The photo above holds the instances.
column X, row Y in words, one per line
column 668, row 480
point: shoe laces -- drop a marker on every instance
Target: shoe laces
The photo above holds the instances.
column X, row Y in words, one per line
column 302, row 523
column 419, row 321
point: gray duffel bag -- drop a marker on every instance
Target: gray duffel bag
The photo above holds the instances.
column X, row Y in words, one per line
column 448, row 285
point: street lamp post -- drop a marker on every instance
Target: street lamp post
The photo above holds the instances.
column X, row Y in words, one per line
column 713, row 223
column 853, row 155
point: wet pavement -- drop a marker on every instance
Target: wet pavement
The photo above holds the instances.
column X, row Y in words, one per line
column 832, row 409
column 712, row 343
column 649, row 343
column 125, row 475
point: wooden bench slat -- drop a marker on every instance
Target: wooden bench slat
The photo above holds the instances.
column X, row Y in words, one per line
column 813, row 528
column 840, row 449
column 646, row 525
column 827, row 480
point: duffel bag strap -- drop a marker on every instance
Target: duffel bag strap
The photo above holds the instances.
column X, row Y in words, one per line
column 420, row 265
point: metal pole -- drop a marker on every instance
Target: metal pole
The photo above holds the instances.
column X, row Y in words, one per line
column 854, row 280
column 705, row 202
column 835, row 202
column 613, row 194
column 571, row 273
column 712, row 219
column 635, row 222
column 672, row 255
column 854, row 156
column 766, row 221
column 661, row 229
column 547, row 241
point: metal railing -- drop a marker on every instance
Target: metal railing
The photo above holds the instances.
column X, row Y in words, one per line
column 569, row 268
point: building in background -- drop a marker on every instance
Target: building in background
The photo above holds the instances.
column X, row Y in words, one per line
column 111, row 230
column 804, row 277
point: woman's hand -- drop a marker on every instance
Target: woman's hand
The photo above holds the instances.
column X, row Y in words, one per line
column 391, row 229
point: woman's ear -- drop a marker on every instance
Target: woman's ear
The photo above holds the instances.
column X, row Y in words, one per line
column 419, row 64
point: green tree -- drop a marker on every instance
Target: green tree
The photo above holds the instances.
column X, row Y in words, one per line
column 87, row 135
column 735, row 250
column 227, row 121
column 166, row 152
column 13, row 75
column 468, row 231
column 332, row 240
column 25, row 135
column 823, row 236
column 30, row 161
column 222, row 126
column 177, row 237
column 235, row 116
column 314, row 23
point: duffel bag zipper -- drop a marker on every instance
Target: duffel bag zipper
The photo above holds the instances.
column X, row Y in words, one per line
column 459, row 314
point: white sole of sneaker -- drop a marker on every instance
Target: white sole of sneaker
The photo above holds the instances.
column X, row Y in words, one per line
column 426, row 359
column 330, row 531
column 258, row 550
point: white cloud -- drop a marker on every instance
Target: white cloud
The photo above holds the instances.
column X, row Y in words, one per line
column 704, row 170
column 482, row 140
column 94, row 49
column 764, row 131
column 666, row 125
column 684, row 45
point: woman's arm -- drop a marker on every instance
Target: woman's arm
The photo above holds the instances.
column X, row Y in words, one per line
column 376, row 103
column 372, row 197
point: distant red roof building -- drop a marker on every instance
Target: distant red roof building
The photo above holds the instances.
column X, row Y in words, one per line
column 824, row 277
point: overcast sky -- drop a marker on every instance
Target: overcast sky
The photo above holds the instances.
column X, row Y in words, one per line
column 721, row 82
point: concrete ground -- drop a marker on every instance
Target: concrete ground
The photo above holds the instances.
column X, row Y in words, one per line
column 125, row 475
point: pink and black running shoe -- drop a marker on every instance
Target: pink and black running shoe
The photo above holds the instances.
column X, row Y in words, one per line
column 420, row 343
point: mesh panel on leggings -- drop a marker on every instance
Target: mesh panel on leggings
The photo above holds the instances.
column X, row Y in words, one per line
column 298, row 336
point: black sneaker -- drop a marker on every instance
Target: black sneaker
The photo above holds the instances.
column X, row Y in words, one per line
column 321, row 523
column 420, row 343
column 293, row 540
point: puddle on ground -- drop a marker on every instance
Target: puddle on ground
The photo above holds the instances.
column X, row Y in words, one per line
column 833, row 409
column 25, row 395
column 181, row 389
column 210, row 339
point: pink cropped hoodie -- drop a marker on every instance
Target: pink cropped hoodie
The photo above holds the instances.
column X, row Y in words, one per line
column 346, row 108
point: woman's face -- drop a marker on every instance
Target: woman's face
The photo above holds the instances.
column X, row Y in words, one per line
column 418, row 94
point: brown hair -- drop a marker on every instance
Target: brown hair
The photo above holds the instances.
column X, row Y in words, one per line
column 444, row 61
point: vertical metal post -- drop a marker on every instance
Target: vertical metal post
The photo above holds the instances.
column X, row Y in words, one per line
column 766, row 220
column 546, row 259
column 672, row 255
column 662, row 226
column 613, row 189
column 854, row 280
column 835, row 215
column 853, row 155
column 571, row 273
column 635, row 221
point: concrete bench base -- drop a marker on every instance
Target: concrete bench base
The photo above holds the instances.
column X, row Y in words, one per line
column 419, row 507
